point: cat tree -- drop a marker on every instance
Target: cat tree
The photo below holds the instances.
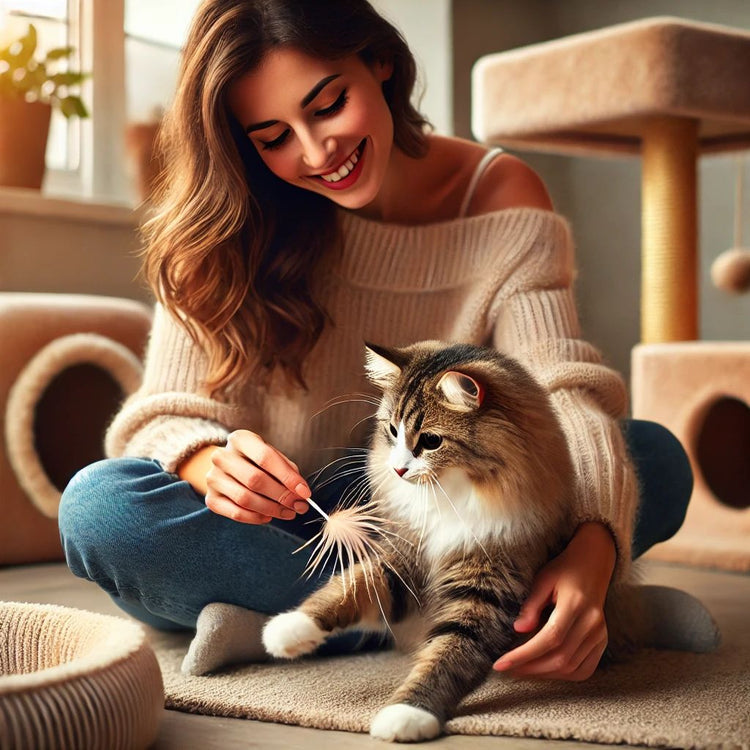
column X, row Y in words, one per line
column 668, row 90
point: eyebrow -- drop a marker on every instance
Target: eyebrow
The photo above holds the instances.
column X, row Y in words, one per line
column 306, row 99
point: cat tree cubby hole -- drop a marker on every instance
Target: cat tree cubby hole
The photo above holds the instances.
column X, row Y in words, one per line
column 701, row 391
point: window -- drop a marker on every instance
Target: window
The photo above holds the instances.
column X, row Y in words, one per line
column 57, row 25
column 132, row 50
column 154, row 35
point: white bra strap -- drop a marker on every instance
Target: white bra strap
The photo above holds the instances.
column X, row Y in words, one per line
column 478, row 172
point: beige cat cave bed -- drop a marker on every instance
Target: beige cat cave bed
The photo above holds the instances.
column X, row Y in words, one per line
column 75, row 680
column 69, row 679
column 68, row 362
column 665, row 89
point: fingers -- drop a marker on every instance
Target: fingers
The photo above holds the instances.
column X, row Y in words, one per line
column 222, row 506
column 271, row 461
column 557, row 653
column 224, row 486
column 251, row 482
column 550, row 638
column 539, row 597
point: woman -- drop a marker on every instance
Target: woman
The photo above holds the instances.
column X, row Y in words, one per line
column 306, row 208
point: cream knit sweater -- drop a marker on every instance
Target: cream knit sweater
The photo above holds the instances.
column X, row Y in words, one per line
column 503, row 278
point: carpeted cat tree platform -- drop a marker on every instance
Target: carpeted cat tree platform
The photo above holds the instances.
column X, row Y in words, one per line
column 668, row 90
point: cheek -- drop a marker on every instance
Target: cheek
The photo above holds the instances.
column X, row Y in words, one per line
column 370, row 115
column 280, row 163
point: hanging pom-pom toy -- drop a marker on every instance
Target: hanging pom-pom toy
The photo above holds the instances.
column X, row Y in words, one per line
column 730, row 272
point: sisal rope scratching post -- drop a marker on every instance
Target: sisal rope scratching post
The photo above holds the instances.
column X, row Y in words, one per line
column 667, row 90
column 669, row 272
column 663, row 88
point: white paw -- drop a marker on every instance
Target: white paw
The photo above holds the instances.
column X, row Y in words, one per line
column 292, row 634
column 403, row 723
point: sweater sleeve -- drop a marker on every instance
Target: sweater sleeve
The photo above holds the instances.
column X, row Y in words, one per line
column 536, row 321
column 169, row 417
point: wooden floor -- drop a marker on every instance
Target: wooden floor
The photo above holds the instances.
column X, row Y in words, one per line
column 726, row 595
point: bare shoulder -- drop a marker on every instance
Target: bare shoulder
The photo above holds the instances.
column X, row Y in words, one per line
column 508, row 182
column 446, row 174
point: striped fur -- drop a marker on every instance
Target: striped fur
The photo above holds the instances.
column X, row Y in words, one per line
column 480, row 504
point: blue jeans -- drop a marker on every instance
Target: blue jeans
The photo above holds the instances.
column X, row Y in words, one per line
column 148, row 539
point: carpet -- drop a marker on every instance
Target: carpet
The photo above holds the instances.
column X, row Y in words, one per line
column 659, row 699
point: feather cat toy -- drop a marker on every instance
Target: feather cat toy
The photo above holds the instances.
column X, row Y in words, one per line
column 471, row 483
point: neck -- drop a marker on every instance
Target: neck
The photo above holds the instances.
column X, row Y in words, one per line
column 395, row 199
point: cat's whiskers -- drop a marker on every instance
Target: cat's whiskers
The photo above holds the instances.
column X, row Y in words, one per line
column 349, row 398
column 424, row 490
column 460, row 517
column 354, row 461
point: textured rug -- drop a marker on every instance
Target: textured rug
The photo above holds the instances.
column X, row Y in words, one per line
column 660, row 699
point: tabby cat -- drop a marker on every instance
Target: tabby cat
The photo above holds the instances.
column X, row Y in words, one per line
column 470, row 465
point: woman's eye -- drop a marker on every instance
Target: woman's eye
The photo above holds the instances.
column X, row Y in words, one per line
column 393, row 430
column 430, row 441
column 343, row 98
column 276, row 142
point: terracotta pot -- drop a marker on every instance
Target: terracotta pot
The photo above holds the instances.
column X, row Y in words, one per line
column 147, row 164
column 24, row 128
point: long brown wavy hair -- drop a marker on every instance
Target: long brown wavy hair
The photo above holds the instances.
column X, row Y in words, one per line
column 231, row 248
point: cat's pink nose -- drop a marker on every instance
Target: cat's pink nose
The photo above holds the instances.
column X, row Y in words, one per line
column 401, row 472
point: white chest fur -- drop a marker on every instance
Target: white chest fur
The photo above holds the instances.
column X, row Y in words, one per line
column 446, row 515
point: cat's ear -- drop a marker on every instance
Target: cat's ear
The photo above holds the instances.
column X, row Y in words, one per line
column 462, row 392
column 383, row 366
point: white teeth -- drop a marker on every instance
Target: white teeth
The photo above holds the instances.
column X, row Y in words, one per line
column 343, row 170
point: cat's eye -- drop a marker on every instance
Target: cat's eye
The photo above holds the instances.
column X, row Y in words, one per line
column 393, row 430
column 430, row 441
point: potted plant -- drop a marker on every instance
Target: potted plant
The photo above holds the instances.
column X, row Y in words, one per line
column 30, row 86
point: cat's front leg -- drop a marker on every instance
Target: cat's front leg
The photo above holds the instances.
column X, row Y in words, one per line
column 292, row 634
column 454, row 660
column 341, row 603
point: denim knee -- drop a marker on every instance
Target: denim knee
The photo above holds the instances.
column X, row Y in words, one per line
column 665, row 480
column 93, row 516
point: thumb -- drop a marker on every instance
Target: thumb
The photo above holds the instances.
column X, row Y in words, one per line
column 531, row 611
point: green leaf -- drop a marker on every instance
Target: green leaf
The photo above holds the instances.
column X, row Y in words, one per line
column 28, row 47
column 72, row 106
column 59, row 53
column 67, row 79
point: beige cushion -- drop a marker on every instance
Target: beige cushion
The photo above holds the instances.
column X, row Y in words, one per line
column 592, row 92
column 71, row 680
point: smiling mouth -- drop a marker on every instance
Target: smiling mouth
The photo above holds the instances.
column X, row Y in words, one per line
column 349, row 165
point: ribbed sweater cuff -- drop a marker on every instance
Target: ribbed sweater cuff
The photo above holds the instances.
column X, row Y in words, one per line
column 167, row 427
column 607, row 486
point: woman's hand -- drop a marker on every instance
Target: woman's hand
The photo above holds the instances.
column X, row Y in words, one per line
column 252, row 482
column 571, row 643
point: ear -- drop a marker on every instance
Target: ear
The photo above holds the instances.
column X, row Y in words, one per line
column 462, row 392
column 383, row 70
column 383, row 366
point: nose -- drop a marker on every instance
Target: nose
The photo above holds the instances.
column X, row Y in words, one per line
column 317, row 153
column 401, row 471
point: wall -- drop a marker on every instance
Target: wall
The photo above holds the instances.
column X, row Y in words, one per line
column 602, row 197
column 94, row 252
column 52, row 245
column 429, row 38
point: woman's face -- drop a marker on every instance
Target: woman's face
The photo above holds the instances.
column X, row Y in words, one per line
column 320, row 125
